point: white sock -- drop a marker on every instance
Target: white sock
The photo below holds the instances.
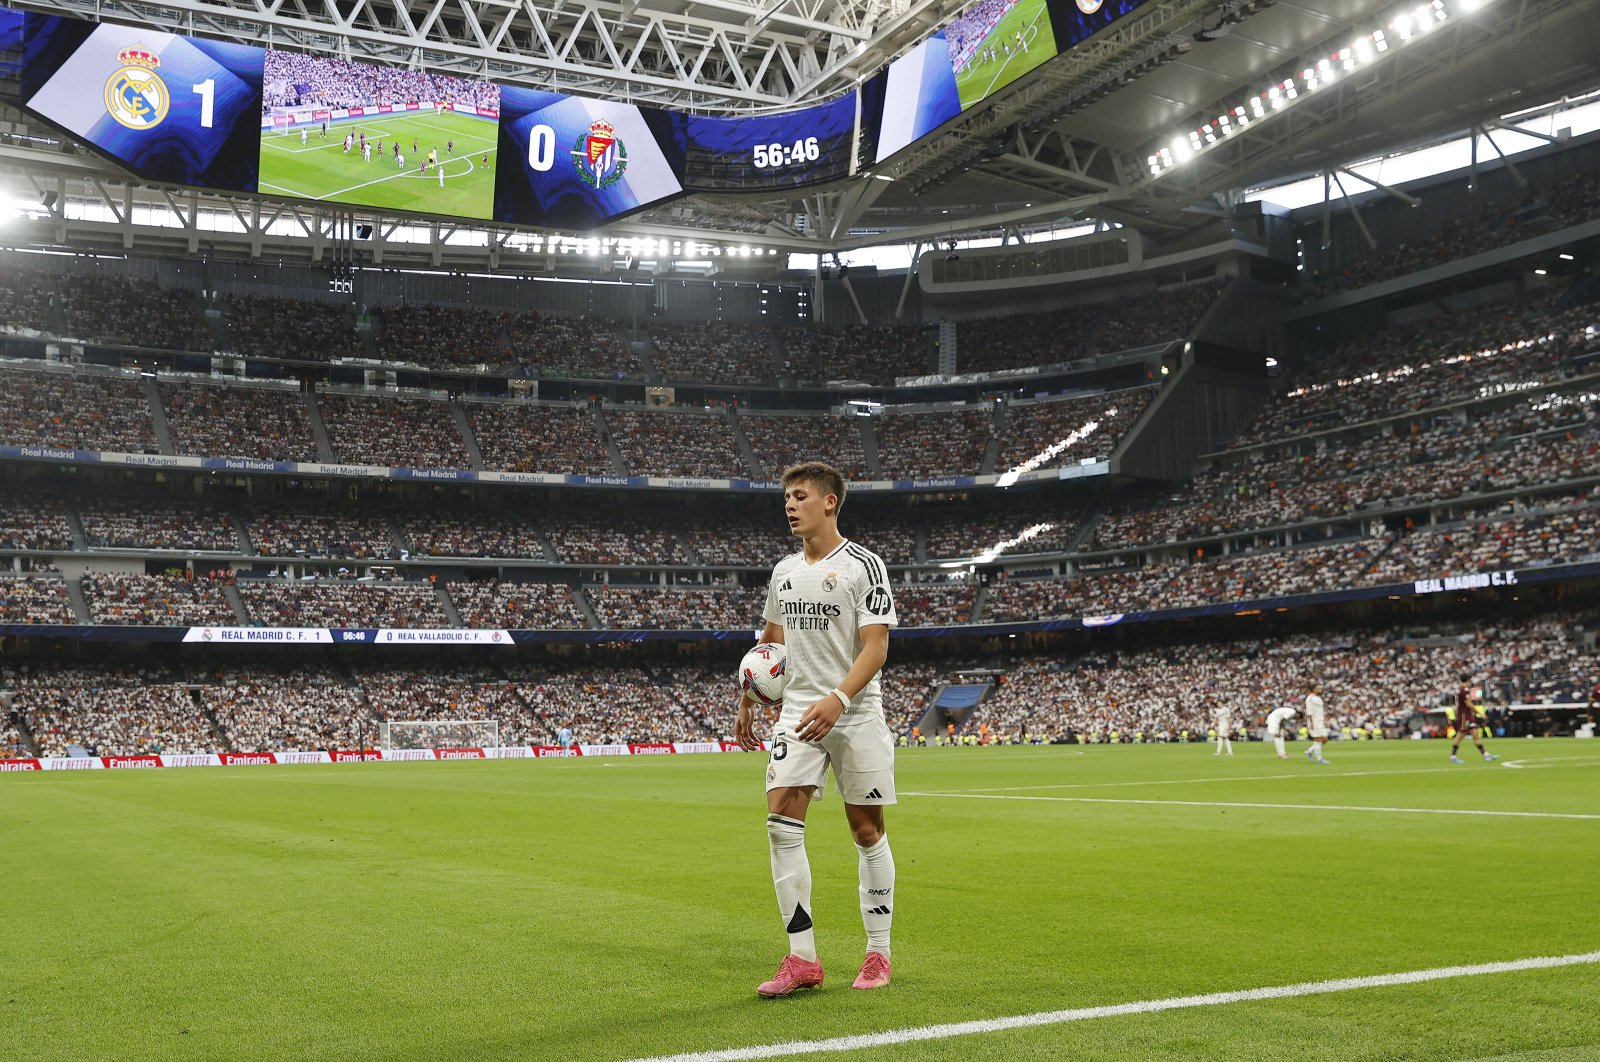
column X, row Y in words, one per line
column 876, row 867
column 1278, row 741
column 791, row 878
column 1227, row 744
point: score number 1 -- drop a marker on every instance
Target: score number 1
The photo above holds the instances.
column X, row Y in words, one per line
column 207, row 91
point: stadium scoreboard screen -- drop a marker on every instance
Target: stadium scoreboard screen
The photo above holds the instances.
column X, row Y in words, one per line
column 240, row 118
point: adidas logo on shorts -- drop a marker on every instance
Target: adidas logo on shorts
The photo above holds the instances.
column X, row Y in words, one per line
column 874, row 795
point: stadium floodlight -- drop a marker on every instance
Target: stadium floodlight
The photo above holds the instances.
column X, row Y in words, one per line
column 1404, row 26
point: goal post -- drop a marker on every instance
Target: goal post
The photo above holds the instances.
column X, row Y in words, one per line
column 438, row 734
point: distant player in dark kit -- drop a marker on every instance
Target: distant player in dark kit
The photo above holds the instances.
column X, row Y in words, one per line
column 1467, row 720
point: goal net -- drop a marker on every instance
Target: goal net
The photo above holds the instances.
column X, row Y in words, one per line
column 438, row 734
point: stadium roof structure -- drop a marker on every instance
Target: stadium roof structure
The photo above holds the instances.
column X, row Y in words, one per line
column 1072, row 140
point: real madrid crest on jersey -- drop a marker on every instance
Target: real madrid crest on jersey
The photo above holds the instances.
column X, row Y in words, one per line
column 830, row 581
column 1089, row 7
column 600, row 156
column 135, row 94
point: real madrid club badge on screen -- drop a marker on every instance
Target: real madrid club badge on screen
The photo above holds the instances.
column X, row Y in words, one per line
column 135, row 94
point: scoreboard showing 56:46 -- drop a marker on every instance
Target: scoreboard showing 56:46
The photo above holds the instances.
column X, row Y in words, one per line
column 169, row 108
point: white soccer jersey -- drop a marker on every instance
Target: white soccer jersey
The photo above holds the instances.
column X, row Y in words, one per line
column 1278, row 717
column 1223, row 715
column 1314, row 709
column 822, row 608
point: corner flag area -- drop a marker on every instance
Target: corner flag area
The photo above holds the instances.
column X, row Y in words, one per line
column 322, row 169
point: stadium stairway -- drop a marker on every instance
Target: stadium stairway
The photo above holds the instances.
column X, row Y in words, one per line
column 20, row 723
column 619, row 465
column 869, row 447
column 979, row 599
column 643, row 347
column 319, row 430
column 991, row 452
column 475, row 455
column 451, row 612
column 80, row 604
column 158, row 415
column 236, row 602
column 217, row 729
column 581, row 599
column 955, row 703
column 246, row 547
column 397, row 537
column 746, row 451
column 1086, row 530
column 80, row 538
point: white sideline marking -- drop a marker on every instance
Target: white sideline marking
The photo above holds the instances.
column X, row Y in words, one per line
column 1242, row 804
column 1149, row 1006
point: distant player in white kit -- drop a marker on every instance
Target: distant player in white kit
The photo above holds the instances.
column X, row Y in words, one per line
column 1222, row 716
column 830, row 604
column 1277, row 719
column 304, row 133
column 1318, row 723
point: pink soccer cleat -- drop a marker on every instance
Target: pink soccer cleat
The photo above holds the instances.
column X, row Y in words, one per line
column 874, row 971
column 793, row 972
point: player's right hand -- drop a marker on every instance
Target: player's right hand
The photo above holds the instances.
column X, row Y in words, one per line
column 744, row 727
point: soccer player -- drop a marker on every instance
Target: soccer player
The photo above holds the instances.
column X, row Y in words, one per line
column 441, row 176
column 1319, row 724
column 366, row 152
column 400, row 161
column 324, row 129
column 450, row 146
column 485, row 161
column 304, row 133
column 1467, row 720
column 1223, row 714
column 1276, row 720
column 831, row 605
column 564, row 737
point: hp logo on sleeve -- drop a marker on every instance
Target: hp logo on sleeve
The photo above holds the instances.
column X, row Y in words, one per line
column 878, row 601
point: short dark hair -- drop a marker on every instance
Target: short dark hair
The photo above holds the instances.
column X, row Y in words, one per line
column 819, row 474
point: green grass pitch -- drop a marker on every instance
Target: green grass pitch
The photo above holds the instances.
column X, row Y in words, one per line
column 321, row 169
column 616, row 909
column 982, row 76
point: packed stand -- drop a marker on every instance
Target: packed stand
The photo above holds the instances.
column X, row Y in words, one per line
column 906, row 687
column 11, row 744
column 75, row 412
column 110, row 713
column 690, row 444
column 33, row 521
column 1051, row 434
column 634, row 539
column 706, row 698
column 861, row 353
column 607, row 705
column 138, row 312
column 712, row 352
column 112, row 524
column 156, row 600
column 295, row 529
column 35, row 599
column 442, row 693
column 393, row 432
column 273, row 327
column 440, row 336
column 284, row 603
column 585, row 347
column 781, row 441
column 1442, row 360
column 475, row 535
column 929, row 445
column 737, row 540
column 294, row 79
column 26, row 299
column 517, row 606
column 257, row 422
column 1571, row 202
column 1020, row 529
column 999, row 344
column 534, row 437
column 300, row 709
column 728, row 608
column 933, row 604
column 1554, row 531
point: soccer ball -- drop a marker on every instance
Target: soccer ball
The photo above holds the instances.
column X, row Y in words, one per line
column 763, row 673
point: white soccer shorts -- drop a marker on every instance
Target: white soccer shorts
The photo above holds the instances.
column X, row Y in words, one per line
column 861, row 753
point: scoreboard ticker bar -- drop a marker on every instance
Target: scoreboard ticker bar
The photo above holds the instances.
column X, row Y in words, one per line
column 241, row 118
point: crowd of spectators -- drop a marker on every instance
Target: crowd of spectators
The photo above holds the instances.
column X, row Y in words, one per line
column 933, row 604
column 926, row 445
column 740, row 540
column 275, row 327
column 727, row 608
column 302, row 708
column 537, row 437
column 295, row 79
column 293, row 529
column 677, row 443
column 472, row 535
column 291, row 603
column 582, row 346
column 712, row 352
column 638, row 538
column 1575, row 200
column 860, row 353
column 110, row 712
column 137, row 312
column 119, row 524
column 34, row 599
column 393, row 432
column 1509, row 537
column 606, row 706
column 441, row 336
column 518, row 606
column 781, row 441
column 156, row 600
column 449, row 692
column 1019, row 341
column 75, row 412
column 268, row 424
column 33, row 521
column 1020, row 528
column 1451, row 358
column 27, row 299
column 1063, row 432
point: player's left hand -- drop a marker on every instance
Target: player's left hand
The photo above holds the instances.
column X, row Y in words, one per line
column 819, row 719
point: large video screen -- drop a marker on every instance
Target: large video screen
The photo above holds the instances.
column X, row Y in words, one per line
column 996, row 42
column 167, row 107
column 378, row 136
